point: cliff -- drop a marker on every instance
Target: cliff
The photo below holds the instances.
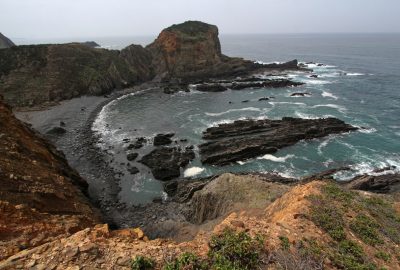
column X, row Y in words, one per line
column 37, row 74
column 317, row 225
column 41, row 197
column 5, row 42
column 192, row 50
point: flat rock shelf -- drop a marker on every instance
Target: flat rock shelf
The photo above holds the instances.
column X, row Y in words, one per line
column 245, row 139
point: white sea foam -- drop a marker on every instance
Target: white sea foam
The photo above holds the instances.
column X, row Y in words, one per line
column 317, row 82
column 329, row 95
column 193, row 171
column 305, row 116
column 273, row 103
column 341, row 109
column 252, row 109
column 367, row 130
column 276, row 159
column 355, row 74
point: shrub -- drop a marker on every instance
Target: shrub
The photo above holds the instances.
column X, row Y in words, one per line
column 235, row 251
column 383, row 256
column 142, row 263
column 285, row 245
column 186, row 261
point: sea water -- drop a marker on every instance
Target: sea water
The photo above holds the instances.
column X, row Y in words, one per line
column 359, row 84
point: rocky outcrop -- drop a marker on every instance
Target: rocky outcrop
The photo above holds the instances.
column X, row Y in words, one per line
column 5, row 42
column 245, row 139
column 36, row 74
column 165, row 162
column 91, row 44
column 385, row 183
column 41, row 197
column 191, row 51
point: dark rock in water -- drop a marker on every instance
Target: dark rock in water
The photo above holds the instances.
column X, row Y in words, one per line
column 132, row 156
column 294, row 64
column 320, row 65
column 172, row 89
column 62, row 124
column 165, row 162
column 265, row 84
column 211, row 88
column 183, row 140
column 245, row 139
column 138, row 144
column 163, row 139
column 245, row 101
column 264, row 98
column 133, row 170
column 386, row 183
column 57, row 131
column 300, row 94
column 126, row 140
column 314, row 76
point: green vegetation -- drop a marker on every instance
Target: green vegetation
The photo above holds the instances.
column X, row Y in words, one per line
column 383, row 256
column 142, row 263
column 187, row 261
column 374, row 220
column 285, row 244
column 232, row 250
column 366, row 229
column 228, row 251
column 328, row 217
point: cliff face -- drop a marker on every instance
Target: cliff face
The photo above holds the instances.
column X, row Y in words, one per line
column 5, row 42
column 191, row 50
column 41, row 197
column 32, row 75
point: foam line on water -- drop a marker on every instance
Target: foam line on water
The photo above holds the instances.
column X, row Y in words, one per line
column 329, row 95
column 193, row 171
column 276, row 159
column 251, row 109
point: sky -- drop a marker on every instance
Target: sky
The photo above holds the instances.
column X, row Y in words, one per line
column 106, row 18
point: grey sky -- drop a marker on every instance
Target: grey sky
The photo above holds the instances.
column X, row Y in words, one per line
column 91, row 18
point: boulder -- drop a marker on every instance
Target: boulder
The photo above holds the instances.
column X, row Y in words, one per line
column 132, row 156
column 163, row 139
column 165, row 162
column 5, row 42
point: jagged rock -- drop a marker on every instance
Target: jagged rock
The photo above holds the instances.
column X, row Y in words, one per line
column 298, row 94
column 211, row 88
column 263, row 99
column 132, row 156
column 56, row 131
column 138, row 144
column 386, row 183
column 5, row 42
column 133, row 170
column 246, row 139
column 165, row 162
column 163, row 139
column 279, row 83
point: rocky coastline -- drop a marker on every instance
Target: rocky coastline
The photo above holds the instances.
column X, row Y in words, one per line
column 56, row 226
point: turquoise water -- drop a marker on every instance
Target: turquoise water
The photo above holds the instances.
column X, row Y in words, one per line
column 359, row 84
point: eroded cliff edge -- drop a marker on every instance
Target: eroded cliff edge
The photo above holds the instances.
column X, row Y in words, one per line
column 41, row 196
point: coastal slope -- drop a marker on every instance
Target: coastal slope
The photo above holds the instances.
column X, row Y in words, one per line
column 41, row 197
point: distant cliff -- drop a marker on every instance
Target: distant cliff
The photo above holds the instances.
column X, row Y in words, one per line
column 41, row 197
column 5, row 42
column 36, row 74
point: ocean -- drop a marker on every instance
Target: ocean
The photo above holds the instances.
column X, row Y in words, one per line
column 359, row 83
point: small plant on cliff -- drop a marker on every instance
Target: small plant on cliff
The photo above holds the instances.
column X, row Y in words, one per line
column 285, row 244
column 142, row 263
column 235, row 251
column 366, row 229
column 187, row 261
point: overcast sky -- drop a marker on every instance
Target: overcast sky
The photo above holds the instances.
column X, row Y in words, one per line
column 102, row 18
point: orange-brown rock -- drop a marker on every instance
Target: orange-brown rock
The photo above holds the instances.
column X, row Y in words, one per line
column 41, row 197
column 192, row 50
